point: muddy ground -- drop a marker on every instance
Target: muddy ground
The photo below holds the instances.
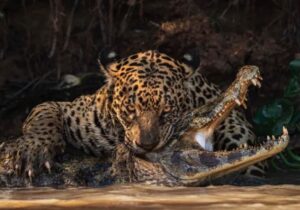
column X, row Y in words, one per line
column 41, row 41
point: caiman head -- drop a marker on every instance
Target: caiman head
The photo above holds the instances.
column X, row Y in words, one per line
column 180, row 165
column 198, row 167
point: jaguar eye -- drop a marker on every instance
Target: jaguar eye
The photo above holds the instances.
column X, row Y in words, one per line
column 131, row 107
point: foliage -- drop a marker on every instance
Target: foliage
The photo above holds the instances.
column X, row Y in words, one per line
column 284, row 111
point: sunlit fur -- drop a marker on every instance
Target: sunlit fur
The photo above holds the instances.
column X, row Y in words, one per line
column 142, row 100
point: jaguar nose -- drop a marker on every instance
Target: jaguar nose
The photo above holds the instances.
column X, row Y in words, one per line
column 145, row 130
column 147, row 142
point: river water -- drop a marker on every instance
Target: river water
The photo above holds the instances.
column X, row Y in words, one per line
column 154, row 197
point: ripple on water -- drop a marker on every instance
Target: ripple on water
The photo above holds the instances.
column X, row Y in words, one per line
column 153, row 197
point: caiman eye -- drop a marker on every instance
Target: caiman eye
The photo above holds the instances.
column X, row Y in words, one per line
column 167, row 108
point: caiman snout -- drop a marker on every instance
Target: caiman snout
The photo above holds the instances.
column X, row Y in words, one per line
column 145, row 130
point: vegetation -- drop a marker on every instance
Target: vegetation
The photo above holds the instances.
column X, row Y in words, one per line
column 283, row 111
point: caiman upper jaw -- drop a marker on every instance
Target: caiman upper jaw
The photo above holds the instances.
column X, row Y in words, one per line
column 204, row 120
column 192, row 167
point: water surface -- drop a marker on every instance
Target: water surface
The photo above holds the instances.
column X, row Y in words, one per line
column 154, row 197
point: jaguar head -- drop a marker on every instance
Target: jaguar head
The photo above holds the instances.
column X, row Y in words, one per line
column 148, row 94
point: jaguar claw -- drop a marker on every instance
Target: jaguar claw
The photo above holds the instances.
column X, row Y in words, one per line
column 17, row 167
column 10, row 172
column 6, row 162
column 48, row 166
column 30, row 175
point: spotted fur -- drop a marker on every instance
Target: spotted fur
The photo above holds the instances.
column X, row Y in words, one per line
column 142, row 100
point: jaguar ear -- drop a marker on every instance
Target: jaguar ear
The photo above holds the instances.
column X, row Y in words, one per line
column 191, row 58
column 106, row 57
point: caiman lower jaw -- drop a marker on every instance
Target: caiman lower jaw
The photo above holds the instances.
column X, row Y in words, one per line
column 193, row 167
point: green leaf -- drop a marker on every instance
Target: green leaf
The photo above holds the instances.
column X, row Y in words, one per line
column 273, row 110
column 293, row 88
column 296, row 118
column 295, row 68
column 259, row 118
column 277, row 128
column 272, row 117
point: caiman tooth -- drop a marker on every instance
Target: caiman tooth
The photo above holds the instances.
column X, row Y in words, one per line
column 238, row 102
column 273, row 138
column 285, row 131
column 2, row 145
column 254, row 82
column 258, row 84
column 245, row 145
column 268, row 138
column 244, row 105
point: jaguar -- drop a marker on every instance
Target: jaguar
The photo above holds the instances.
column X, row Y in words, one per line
column 140, row 106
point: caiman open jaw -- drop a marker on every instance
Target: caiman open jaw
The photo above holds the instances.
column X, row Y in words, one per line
column 180, row 163
column 203, row 121
column 195, row 167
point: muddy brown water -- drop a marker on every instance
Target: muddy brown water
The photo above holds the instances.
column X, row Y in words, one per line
column 154, row 197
